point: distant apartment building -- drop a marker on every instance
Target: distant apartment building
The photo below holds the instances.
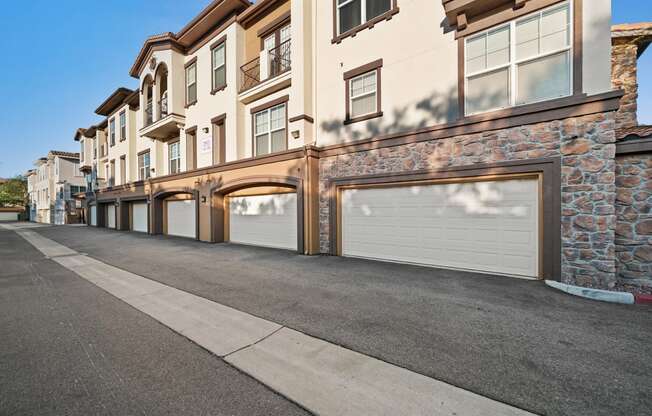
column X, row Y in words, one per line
column 51, row 186
column 476, row 135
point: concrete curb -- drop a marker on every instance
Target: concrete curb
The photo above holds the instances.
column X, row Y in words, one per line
column 594, row 294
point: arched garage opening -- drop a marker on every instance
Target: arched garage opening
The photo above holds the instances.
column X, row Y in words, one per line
column 176, row 212
column 260, row 210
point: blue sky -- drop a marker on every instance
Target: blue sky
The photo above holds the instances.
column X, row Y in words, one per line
column 61, row 59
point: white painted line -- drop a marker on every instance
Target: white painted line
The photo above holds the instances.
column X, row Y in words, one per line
column 322, row 377
column 331, row 380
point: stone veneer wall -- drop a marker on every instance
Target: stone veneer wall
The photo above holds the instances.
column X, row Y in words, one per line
column 634, row 222
column 624, row 76
column 586, row 146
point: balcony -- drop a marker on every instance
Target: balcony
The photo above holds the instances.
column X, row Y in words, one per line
column 266, row 69
column 149, row 113
column 166, row 127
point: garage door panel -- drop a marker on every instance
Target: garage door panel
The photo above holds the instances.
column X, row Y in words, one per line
column 139, row 218
column 93, row 215
column 264, row 220
column 181, row 218
column 486, row 226
column 110, row 216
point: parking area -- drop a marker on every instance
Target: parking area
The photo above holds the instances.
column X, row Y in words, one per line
column 513, row 340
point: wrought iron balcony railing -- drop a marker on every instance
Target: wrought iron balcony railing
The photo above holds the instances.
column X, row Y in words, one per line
column 278, row 62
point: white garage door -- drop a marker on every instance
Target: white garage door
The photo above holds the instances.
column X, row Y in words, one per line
column 110, row 216
column 264, row 220
column 93, row 215
column 8, row 216
column 181, row 218
column 139, row 217
column 487, row 226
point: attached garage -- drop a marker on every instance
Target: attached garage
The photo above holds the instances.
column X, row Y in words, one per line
column 110, row 216
column 490, row 226
column 139, row 217
column 9, row 215
column 264, row 220
column 181, row 217
column 93, row 215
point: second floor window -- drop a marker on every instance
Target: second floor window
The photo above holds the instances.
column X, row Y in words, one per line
column 363, row 94
column 191, row 83
column 219, row 66
column 525, row 61
column 112, row 131
column 143, row 166
column 123, row 126
column 175, row 158
column 353, row 13
column 94, row 149
column 270, row 133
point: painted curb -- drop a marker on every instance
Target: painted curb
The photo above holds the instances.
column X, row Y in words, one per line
column 643, row 299
column 593, row 294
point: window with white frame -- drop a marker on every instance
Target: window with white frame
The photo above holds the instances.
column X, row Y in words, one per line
column 353, row 13
column 143, row 166
column 524, row 61
column 123, row 126
column 112, row 131
column 219, row 66
column 270, row 134
column 363, row 94
column 191, row 83
column 175, row 157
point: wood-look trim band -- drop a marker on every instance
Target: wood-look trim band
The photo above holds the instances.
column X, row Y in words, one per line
column 578, row 46
column 277, row 101
column 634, row 144
column 274, row 24
column 191, row 130
column 378, row 63
column 550, row 169
column 559, row 109
column 302, row 117
column 142, row 152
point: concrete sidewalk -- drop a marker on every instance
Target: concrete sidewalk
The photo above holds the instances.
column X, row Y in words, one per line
column 322, row 377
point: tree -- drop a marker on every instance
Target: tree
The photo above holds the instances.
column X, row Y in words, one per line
column 13, row 192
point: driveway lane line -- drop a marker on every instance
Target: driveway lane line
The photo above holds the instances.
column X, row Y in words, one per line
column 322, row 377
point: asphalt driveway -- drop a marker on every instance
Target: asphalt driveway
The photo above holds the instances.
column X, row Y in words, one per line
column 513, row 340
column 69, row 348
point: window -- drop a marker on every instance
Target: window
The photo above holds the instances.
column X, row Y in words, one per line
column 112, row 131
column 525, row 61
column 363, row 92
column 353, row 13
column 75, row 169
column 270, row 134
column 94, row 149
column 123, row 126
column 81, row 153
column 191, row 83
column 278, row 48
column 218, row 60
column 123, row 169
column 143, row 166
column 175, row 157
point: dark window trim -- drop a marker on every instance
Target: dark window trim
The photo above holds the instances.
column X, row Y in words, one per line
column 187, row 65
column 274, row 25
column 576, row 45
column 112, row 132
column 170, row 143
column 142, row 153
column 280, row 100
column 276, row 31
column 123, row 169
column 219, row 148
column 215, row 45
column 369, row 24
column 122, row 113
column 348, row 75
column 191, row 148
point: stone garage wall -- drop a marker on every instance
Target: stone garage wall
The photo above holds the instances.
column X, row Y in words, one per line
column 634, row 222
column 586, row 147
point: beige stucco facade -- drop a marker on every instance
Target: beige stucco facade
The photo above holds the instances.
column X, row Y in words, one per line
column 420, row 131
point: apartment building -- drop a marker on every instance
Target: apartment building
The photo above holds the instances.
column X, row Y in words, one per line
column 51, row 186
column 463, row 134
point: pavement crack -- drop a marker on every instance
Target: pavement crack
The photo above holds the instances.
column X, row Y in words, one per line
column 254, row 343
